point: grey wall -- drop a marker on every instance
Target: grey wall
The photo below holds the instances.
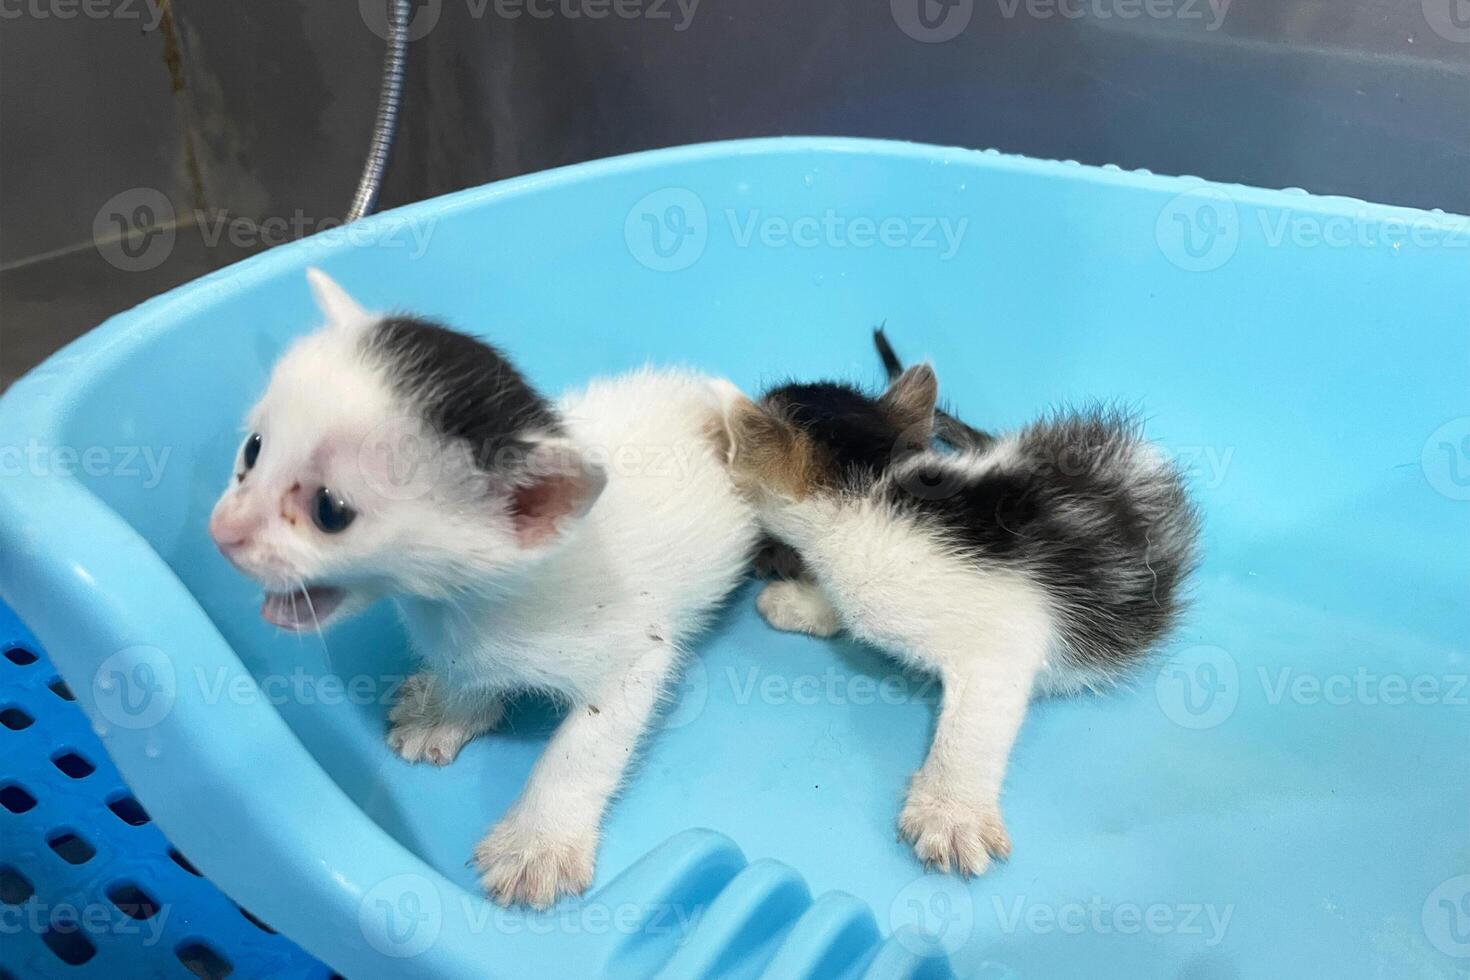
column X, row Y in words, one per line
column 262, row 111
column 1356, row 97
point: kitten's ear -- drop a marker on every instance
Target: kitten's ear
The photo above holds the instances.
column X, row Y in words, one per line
column 556, row 483
column 910, row 398
column 336, row 305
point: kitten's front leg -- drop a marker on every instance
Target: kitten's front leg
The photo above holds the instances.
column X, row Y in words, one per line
column 431, row 723
column 952, row 815
column 546, row 844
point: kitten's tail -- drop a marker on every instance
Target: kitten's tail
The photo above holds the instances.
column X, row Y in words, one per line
column 891, row 363
column 947, row 428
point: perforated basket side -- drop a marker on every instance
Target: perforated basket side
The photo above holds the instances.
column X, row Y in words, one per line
column 89, row 887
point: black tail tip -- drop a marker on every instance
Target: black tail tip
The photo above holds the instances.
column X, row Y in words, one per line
column 891, row 363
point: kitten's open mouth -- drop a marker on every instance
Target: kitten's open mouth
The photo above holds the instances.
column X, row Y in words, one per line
column 301, row 609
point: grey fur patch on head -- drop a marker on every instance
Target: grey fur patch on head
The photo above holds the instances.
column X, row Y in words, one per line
column 466, row 389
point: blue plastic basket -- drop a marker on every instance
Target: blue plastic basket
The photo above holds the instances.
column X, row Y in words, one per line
column 89, row 887
column 1248, row 809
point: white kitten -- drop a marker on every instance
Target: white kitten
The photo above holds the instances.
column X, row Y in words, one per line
column 573, row 549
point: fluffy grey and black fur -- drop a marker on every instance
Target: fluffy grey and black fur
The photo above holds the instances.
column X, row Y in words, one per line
column 1084, row 506
column 1044, row 560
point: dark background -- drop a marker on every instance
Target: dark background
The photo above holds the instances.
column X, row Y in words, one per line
column 262, row 111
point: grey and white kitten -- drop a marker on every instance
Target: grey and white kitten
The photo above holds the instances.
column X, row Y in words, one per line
column 1045, row 560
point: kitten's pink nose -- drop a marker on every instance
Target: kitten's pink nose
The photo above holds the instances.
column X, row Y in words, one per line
column 229, row 531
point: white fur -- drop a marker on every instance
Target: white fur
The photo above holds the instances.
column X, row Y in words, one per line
column 598, row 615
column 602, row 622
column 986, row 634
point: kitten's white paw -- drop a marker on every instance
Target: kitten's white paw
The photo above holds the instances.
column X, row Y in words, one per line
column 949, row 834
column 417, row 742
column 419, row 731
column 797, row 607
column 521, row 864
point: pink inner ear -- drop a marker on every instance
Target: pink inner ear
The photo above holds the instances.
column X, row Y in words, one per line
column 537, row 507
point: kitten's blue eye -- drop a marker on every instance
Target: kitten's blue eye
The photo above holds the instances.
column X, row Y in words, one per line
column 330, row 512
column 252, row 450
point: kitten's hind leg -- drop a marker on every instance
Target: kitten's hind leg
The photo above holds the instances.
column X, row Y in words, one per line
column 952, row 816
column 432, row 724
column 798, row 606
